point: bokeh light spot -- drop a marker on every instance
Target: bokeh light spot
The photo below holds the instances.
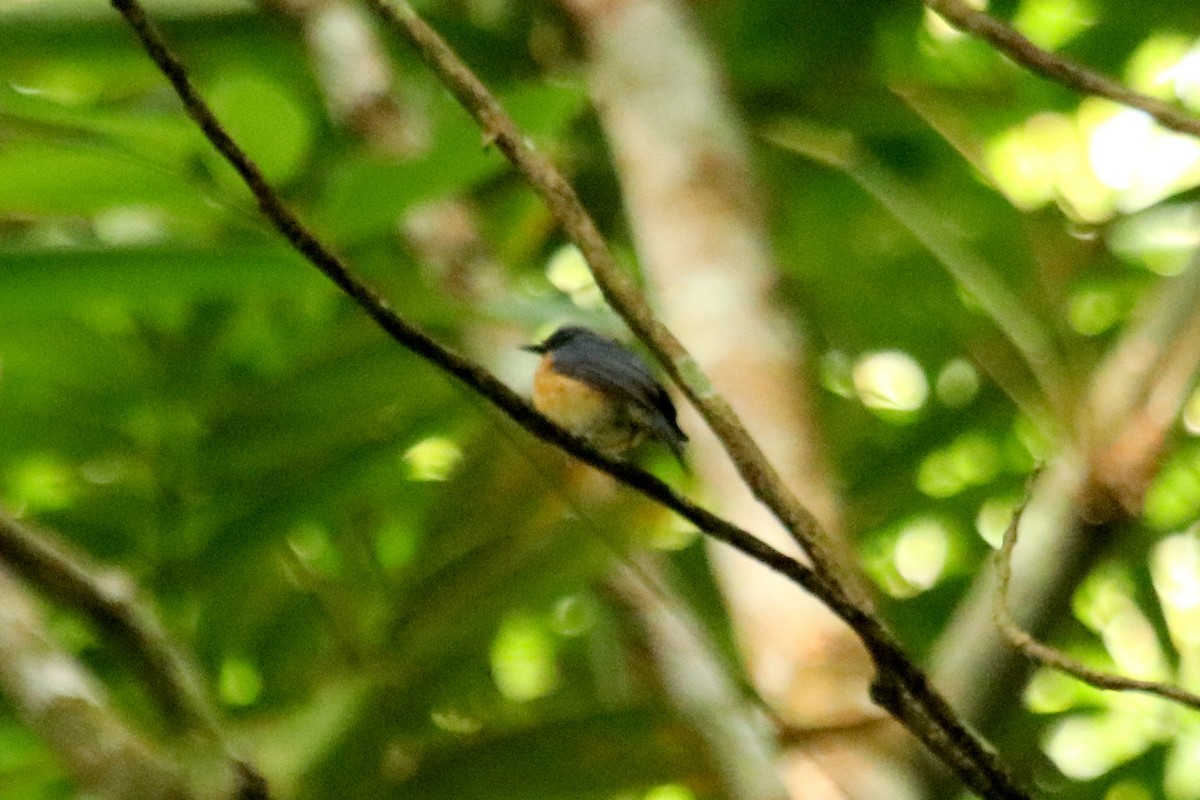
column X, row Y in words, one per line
column 523, row 659
column 1052, row 23
column 1191, row 413
column 1175, row 571
column 993, row 519
column 240, row 683
column 1051, row 692
column 837, row 373
column 1181, row 778
column 890, row 381
column 957, row 383
column 1087, row 746
column 567, row 271
column 41, row 482
column 1093, row 310
column 670, row 791
column 920, row 552
column 432, row 459
column 1128, row 790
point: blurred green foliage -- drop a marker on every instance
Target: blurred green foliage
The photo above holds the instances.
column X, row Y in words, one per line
column 390, row 589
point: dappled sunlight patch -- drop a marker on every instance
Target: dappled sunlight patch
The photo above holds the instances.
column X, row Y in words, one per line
column 1105, row 603
column 837, row 373
column 1042, row 160
column 1173, row 498
column 1094, row 309
column 973, row 459
column 568, row 271
column 994, row 517
column 268, row 121
column 1105, row 158
column 920, row 553
column 890, row 381
column 1191, row 413
column 957, row 383
column 1162, row 239
column 41, row 482
column 912, row 557
column 1128, row 790
column 1052, row 23
column 523, row 659
column 673, row 534
column 130, row 225
column 1186, row 77
column 1086, row 746
column 432, row 459
column 1141, row 162
column 1181, row 777
column 1160, row 65
column 669, row 791
column 1175, row 572
column 240, row 683
column 1050, row 691
column 1097, row 731
column 1032, row 440
column 940, row 30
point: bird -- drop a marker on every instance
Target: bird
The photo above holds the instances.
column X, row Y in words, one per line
column 599, row 390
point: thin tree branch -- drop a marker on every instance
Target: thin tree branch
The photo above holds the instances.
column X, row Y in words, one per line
column 619, row 289
column 470, row 373
column 1056, row 68
column 1055, row 659
column 904, row 689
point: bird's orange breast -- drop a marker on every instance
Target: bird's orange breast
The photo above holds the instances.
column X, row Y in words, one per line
column 583, row 410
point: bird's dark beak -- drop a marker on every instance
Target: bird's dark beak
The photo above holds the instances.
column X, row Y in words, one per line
column 534, row 348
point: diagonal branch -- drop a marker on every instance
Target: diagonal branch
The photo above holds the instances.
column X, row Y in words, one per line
column 420, row 343
column 619, row 289
column 1056, row 659
column 902, row 688
column 1056, row 68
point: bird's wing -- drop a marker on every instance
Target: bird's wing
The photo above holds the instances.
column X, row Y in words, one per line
column 610, row 368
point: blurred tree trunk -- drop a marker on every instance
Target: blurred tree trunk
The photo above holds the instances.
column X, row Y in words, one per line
column 699, row 226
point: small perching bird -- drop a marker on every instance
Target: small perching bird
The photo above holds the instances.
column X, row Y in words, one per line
column 597, row 389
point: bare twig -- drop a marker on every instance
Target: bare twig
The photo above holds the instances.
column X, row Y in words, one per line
column 1056, row 659
column 902, row 687
column 1056, row 68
